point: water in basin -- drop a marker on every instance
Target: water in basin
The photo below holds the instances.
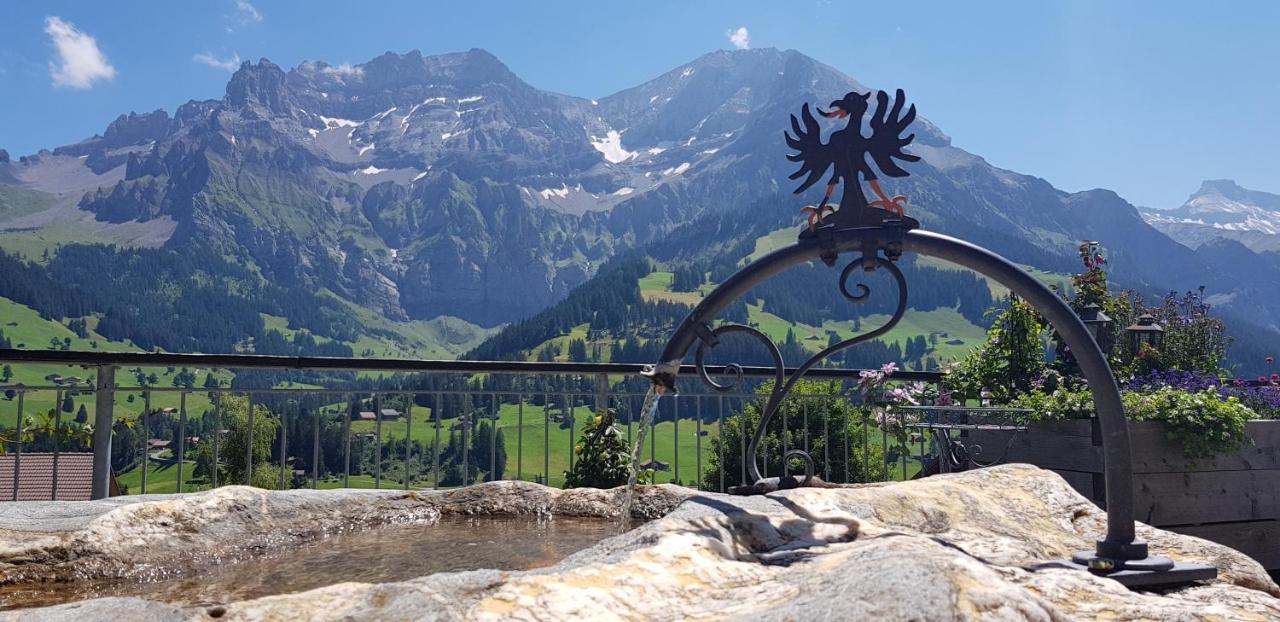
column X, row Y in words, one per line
column 380, row 555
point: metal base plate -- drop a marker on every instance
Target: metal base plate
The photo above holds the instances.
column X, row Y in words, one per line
column 774, row 484
column 1149, row 572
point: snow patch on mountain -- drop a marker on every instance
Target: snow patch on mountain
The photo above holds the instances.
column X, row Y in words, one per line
column 562, row 191
column 611, row 147
column 333, row 122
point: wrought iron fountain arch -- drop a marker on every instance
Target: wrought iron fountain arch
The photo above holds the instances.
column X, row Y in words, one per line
column 1119, row 553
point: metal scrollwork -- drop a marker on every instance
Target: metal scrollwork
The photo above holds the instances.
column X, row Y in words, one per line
column 783, row 384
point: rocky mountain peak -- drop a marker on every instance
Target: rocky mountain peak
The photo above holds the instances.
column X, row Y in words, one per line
column 262, row 85
column 1218, row 193
column 137, row 128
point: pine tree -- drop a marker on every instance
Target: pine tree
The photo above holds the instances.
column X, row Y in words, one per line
column 578, row 351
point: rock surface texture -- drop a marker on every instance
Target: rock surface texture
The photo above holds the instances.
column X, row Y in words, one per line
column 968, row 546
column 146, row 536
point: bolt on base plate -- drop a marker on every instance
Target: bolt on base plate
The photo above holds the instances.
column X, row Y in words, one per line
column 1151, row 571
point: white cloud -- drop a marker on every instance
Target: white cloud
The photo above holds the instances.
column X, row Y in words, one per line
column 244, row 15
column 80, row 62
column 345, row 69
column 740, row 38
column 247, row 12
column 229, row 64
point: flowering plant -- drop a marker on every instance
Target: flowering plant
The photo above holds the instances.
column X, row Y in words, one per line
column 1263, row 398
column 882, row 403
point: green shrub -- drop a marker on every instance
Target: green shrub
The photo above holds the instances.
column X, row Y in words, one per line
column 1009, row 361
column 833, row 424
column 1203, row 422
column 603, row 459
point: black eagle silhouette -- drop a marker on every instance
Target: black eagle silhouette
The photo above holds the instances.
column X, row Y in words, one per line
column 846, row 152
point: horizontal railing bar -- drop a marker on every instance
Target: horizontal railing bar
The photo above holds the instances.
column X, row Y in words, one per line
column 403, row 392
column 262, row 361
column 51, row 387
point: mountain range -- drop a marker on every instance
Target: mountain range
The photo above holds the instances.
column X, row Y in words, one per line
column 1221, row 209
column 413, row 187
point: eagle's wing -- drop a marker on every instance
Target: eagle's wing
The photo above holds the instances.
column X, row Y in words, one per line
column 887, row 125
column 814, row 156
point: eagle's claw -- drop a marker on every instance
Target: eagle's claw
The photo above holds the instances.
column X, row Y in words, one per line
column 816, row 213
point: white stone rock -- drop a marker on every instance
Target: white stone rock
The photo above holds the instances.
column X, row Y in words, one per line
column 968, row 546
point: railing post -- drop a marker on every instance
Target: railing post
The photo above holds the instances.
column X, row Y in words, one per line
column 675, row 421
column 697, row 409
column 17, row 443
column 493, row 437
column 546, row 439
column 248, row 451
column 570, row 409
column 826, row 444
column 57, row 441
column 435, row 450
column 346, row 444
column 104, row 396
column 146, row 438
column 217, row 432
column 182, row 434
column 408, row 438
column 315, row 449
column 377, row 441
column 466, row 449
column 520, row 436
column 786, row 445
column 284, row 444
column 720, row 445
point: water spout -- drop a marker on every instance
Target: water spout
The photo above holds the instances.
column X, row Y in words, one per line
column 647, row 412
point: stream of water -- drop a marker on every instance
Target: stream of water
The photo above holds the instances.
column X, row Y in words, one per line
column 647, row 412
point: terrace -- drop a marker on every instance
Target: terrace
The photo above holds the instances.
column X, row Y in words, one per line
column 453, row 439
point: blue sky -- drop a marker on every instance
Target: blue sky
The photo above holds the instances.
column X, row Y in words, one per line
column 1145, row 98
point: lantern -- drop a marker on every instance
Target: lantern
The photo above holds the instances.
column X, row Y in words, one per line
column 1099, row 325
column 1145, row 332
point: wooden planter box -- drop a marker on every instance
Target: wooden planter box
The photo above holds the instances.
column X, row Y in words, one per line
column 1232, row 499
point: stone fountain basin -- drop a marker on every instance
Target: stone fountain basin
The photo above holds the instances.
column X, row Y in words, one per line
column 150, row 536
column 968, row 546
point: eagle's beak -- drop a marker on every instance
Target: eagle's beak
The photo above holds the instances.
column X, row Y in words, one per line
column 834, row 113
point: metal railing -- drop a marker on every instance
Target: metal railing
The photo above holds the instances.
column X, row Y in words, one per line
column 430, row 424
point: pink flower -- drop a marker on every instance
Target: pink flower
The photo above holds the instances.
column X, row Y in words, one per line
column 889, row 368
column 1270, row 360
column 1275, row 377
column 1262, row 379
